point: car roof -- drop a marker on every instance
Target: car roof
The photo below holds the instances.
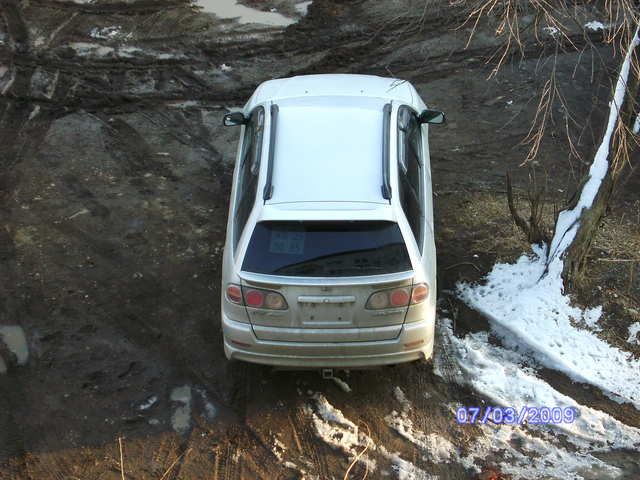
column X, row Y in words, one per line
column 328, row 149
column 349, row 85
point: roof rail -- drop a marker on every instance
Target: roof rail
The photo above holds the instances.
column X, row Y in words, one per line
column 268, row 188
column 386, row 126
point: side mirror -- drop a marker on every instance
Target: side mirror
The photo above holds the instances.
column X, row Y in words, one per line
column 234, row 119
column 432, row 116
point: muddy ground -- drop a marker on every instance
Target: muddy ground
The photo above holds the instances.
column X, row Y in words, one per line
column 114, row 184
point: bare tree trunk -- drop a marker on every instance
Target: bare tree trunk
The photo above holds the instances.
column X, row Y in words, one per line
column 573, row 239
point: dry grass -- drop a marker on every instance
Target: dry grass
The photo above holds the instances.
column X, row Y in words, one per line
column 621, row 18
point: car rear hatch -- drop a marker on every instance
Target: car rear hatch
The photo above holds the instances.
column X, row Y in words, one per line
column 326, row 272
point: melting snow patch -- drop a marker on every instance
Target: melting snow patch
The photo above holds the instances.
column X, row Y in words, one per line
column 34, row 112
column 181, row 418
column 107, row 33
column 210, row 409
column 501, row 375
column 342, row 434
column 595, row 25
column 91, row 49
column 634, row 329
column 303, row 7
column 16, row 341
column 344, row 386
column 278, row 448
column 434, row 447
column 528, row 309
column 225, row 68
column 402, row 399
column 148, row 403
column 406, row 470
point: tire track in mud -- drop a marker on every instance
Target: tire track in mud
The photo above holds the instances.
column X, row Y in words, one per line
column 138, row 7
column 309, row 443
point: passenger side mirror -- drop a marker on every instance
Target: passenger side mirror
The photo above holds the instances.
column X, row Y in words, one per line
column 234, row 119
column 432, row 116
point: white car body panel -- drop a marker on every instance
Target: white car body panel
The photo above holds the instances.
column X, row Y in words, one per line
column 311, row 183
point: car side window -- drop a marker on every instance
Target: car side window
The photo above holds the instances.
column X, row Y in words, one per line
column 410, row 164
column 249, row 169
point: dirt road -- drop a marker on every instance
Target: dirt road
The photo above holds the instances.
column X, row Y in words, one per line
column 114, row 183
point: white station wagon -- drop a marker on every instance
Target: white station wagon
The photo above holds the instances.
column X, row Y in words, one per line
column 330, row 259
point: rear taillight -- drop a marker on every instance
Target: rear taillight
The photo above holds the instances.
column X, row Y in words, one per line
column 419, row 293
column 234, row 294
column 255, row 297
column 398, row 297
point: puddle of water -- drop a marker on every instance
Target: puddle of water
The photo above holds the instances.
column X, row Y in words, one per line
column 14, row 338
column 231, row 9
column 181, row 418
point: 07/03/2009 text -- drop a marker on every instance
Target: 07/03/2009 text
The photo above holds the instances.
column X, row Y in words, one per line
column 516, row 416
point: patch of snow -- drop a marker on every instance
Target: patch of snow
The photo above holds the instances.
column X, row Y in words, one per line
column 91, row 49
column 225, row 68
column 595, row 25
column 243, row 14
column 7, row 85
column 278, row 448
column 107, row 33
column 344, row 386
column 331, row 414
column 181, row 418
column 148, row 403
column 405, row 470
column 636, row 124
column 16, row 341
column 433, row 446
column 634, row 329
column 568, row 220
column 291, row 465
column 530, row 311
column 591, row 316
column 402, row 399
column 340, row 433
column 550, row 30
column 303, row 7
column 129, row 51
column 34, row 113
column 501, row 375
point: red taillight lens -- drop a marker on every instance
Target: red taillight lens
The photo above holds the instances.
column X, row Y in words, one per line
column 254, row 298
column 399, row 297
column 234, row 294
column 419, row 293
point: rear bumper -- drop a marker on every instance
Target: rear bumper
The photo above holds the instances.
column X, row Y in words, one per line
column 240, row 343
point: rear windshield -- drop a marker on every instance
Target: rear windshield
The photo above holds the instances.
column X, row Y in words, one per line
column 326, row 249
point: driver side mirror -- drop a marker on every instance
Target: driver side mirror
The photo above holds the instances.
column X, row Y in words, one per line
column 234, row 119
column 432, row 116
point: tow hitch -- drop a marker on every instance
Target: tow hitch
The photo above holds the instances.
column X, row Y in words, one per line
column 327, row 373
